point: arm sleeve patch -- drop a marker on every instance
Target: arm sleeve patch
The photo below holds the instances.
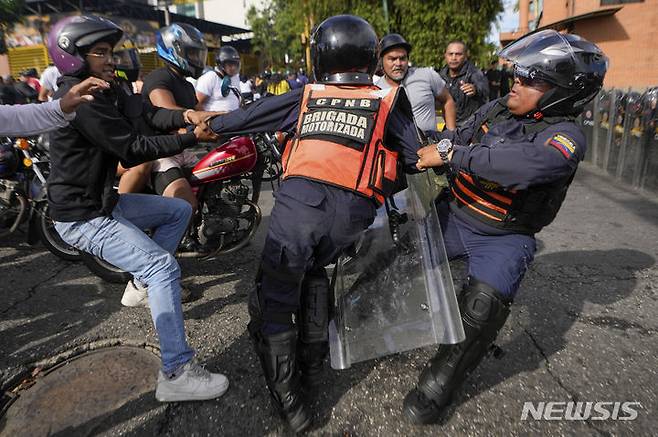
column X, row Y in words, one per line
column 565, row 145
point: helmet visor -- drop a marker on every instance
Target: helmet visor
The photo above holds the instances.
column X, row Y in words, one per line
column 545, row 55
column 196, row 56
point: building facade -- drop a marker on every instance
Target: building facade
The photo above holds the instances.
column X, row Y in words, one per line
column 626, row 30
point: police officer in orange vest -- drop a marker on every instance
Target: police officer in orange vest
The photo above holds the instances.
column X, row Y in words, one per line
column 350, row 143
column 510, row 166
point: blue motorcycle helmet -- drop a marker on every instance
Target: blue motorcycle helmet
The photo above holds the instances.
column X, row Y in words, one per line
column 182, row 46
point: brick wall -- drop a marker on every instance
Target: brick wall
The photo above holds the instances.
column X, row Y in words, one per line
column 630, row 40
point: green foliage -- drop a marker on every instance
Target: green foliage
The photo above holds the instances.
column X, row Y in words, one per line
column 427, row 24
column 278, row 26
column 10, row 11
column 430, row 24
column 9, row 14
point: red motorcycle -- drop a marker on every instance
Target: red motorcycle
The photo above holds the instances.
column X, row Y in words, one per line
column 227, row 183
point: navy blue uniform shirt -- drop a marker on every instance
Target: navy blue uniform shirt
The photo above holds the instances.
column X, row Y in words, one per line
column 280, row 113
column 509, row 156
column 512, row 158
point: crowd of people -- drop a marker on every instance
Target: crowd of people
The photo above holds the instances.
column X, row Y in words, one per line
column 352, row 136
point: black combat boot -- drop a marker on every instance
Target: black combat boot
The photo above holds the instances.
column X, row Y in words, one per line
column 484, row 312
column 277, row 355
column 313, row 345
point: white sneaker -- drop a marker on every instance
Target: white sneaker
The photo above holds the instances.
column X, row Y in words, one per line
column 135, row 296
column 193, row 384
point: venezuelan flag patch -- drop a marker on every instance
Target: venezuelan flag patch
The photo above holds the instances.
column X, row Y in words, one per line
column 563, row 144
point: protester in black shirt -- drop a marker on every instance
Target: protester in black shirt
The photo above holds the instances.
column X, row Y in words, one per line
column 167, row 82
column 466, row 83
column 92, row 217
column 183, row 49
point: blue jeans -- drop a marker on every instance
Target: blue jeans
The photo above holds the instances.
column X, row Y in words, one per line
column 120, row 240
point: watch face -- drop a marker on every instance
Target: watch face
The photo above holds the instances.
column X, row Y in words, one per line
column 444, row 145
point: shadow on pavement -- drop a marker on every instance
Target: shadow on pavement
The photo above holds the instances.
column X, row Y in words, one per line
column 552, row 298
column 52, row 314
column 127, row 411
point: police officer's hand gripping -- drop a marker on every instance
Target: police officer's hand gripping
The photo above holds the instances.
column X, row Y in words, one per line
column 510, row 166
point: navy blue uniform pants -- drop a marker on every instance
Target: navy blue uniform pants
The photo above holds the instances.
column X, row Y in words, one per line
column 499, row 261
column 310, row 225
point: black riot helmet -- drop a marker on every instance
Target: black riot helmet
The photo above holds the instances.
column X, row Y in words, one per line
column 572, row 65
column 227, row 54
column 344, row 51
column 391, row 41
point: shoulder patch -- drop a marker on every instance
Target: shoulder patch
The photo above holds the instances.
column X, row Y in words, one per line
column 565, row 145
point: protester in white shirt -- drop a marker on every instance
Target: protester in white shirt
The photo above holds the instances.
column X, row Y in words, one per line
column 219, row 90
column 48, row 81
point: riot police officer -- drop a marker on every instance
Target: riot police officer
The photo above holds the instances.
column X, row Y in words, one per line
column 509, row 167
column 351, row 141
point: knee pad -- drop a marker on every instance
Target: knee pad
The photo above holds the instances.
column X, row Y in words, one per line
column 314, row 308
column 481, row 304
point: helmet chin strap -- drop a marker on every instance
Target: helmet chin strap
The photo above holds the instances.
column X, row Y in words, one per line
column 540, row 112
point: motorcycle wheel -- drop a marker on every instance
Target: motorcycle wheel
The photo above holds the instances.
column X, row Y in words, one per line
column 105, row 270
column 51, row 239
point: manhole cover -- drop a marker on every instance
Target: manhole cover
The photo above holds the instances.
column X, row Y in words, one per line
column 71, row 396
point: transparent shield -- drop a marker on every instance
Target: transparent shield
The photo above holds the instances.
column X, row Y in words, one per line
column 391, row 298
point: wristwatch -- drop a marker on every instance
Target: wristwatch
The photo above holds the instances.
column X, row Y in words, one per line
column 444, row 147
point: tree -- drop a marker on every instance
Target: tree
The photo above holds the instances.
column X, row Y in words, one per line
column 427, row 24
column 278, row 26
column 9, row 14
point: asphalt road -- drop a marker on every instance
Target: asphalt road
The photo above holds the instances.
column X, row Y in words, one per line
column 583, row 329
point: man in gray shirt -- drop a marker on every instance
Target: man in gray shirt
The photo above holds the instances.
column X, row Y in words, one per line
column 33, row 118
column 424, row 86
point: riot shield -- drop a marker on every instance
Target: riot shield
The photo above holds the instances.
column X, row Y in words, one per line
column 630, row 163
column 587, row 124
column 601, row 128
column 649, row 178
column 618, row 122
column 392, row 296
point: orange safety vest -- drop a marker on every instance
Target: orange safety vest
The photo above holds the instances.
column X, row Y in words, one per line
column 339, row 140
